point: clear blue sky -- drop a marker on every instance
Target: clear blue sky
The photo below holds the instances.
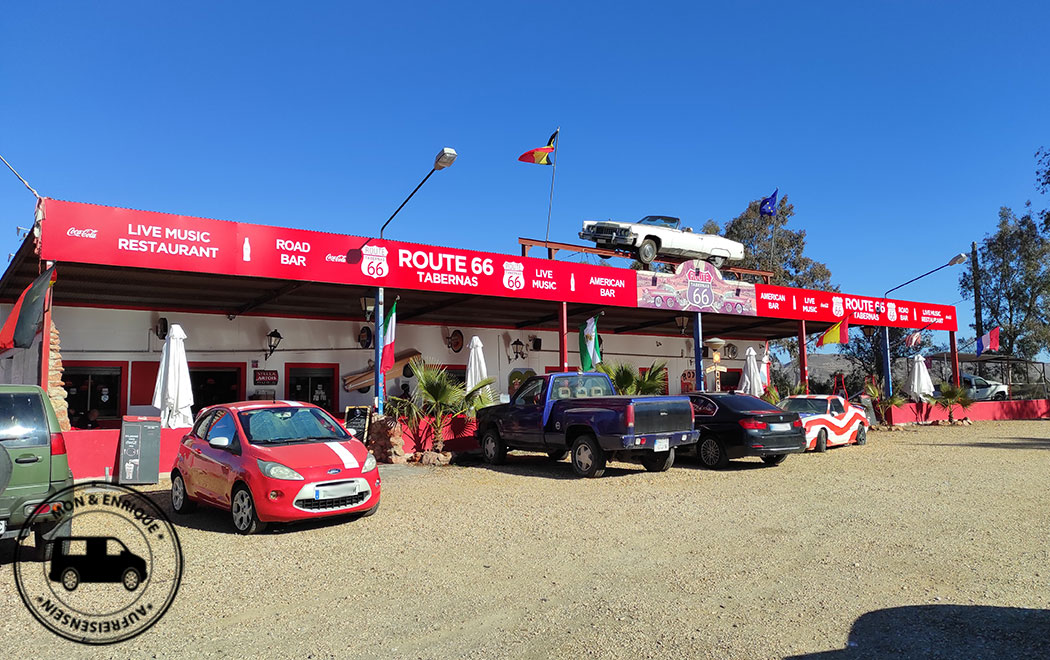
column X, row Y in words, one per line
column 897, row 129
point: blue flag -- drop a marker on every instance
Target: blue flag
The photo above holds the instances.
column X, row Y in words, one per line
column 769, row 205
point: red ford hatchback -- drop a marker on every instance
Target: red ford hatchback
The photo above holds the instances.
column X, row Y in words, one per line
column 274, row 461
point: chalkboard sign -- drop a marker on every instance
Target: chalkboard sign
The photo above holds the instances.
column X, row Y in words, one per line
column 139, row 458
column 358, row 419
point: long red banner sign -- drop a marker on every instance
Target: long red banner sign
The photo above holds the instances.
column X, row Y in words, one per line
column 104, row 235
column 144, row 239
column 809, row 305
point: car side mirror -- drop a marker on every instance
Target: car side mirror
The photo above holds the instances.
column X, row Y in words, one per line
column 219, row 442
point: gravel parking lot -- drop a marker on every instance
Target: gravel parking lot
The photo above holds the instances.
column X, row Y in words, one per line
column 931, row 542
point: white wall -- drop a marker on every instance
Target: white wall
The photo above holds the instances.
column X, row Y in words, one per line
column 124, row 335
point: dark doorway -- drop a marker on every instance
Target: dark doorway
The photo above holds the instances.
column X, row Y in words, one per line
column 314, row 385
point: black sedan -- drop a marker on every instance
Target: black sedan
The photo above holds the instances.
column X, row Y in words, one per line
column 738, row 425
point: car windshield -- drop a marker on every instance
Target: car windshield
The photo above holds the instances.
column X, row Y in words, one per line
column 812, row 406
column 287, row 424
column 580, row 387
column 660, row 221
column 745, row 403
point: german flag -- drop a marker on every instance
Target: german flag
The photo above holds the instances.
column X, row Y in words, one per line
column 836, row 334
column 541, row 155
column 27, row 315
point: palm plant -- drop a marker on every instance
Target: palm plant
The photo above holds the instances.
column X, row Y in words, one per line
column 628, row 380
column 437, row 398
column 952, row 396
column 771, row 395
column 881, row 403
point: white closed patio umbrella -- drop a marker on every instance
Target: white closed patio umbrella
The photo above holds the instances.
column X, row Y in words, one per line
column 751, row 381
column 173, row 393
column 920, row 385
column 476, row 369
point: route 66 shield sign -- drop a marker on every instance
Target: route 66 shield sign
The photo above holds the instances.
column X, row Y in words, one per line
column 513, row 275
column 373, row 261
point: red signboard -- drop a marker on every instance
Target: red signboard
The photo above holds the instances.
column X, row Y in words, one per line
column 265, row 376
column 808, row 305
column 104, row 235
column 143, row 239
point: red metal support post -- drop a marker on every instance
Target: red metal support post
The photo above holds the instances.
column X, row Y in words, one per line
column 564, row 343
column 803, row 365
column 956, row 376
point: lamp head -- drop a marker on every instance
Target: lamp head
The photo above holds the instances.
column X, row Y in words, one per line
column 273, row 340
column 958, row 259
column 445, row 158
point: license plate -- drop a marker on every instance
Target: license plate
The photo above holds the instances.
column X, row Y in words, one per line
column 661, row 445
column 780, row 428
column 345, row 490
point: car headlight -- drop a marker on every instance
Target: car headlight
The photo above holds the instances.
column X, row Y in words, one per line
column 622, row 231
column 278, row 471
column 370, row 463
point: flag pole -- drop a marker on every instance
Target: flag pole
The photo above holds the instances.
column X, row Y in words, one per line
column 554, row 170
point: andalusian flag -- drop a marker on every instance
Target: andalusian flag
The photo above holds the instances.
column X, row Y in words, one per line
column 389, row 326
column 26, row 317
column 590, row 352
column 836, row 334
column 542, row 155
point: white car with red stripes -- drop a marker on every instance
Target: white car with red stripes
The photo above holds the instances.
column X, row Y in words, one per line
column 829, row 420
column 274, row 461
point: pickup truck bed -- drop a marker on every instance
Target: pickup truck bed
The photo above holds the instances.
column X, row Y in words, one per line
column 546, row 415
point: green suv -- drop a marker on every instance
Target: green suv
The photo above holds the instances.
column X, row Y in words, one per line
column 33, row 464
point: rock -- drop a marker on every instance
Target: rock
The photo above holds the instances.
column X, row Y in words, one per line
column 435, row 458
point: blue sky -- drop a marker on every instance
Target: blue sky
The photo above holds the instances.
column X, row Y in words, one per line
column 897, row 129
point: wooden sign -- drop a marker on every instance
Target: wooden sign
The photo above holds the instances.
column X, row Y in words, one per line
column 714, row 367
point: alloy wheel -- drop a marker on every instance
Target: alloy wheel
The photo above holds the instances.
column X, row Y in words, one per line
column 242, row 509
column 709, row 451
column 178, row 493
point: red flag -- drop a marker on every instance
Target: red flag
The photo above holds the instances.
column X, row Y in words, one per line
column 541, row 155
column 836, row 334
column 27, row 315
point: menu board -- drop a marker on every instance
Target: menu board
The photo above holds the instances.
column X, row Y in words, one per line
column 358, row 419
column 139, row 459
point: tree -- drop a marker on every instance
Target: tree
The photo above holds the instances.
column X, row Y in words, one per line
column 1042, row 170
column 1015, row 283
column 865, row 353
column 770, row 245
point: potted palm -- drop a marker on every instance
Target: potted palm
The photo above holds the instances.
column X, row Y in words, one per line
column 952, row 396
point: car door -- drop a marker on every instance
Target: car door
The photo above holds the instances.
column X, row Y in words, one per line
column 524, row 425
column 704, row 412
column 191, row 465
column 838, row 431
column 217, row 462
column 26, row 439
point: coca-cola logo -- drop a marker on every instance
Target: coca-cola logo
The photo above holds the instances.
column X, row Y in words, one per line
column 341, row 258
column 82, row 233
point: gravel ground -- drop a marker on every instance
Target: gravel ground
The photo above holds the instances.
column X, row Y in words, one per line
column 927, row 542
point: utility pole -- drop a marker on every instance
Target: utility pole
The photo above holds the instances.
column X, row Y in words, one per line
column 977, row 313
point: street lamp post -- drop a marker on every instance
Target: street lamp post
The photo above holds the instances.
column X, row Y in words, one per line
column 886, row 365
column 444, row 159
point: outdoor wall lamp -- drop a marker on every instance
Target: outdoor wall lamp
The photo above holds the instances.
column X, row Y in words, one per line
column 273, row 340
column 868, row 330
column 368, row 306
column 519, row 349
column 681, row 322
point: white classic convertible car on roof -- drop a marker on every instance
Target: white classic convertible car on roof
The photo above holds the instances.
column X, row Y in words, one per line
column 656, row 235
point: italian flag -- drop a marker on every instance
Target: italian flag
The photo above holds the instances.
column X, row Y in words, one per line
column 389, row 326
column 590, row 353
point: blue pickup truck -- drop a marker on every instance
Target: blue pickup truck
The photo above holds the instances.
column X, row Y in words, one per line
column 579, row 414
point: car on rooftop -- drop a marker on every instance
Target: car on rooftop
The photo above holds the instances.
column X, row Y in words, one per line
column 274, row 461
column 661, row 235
